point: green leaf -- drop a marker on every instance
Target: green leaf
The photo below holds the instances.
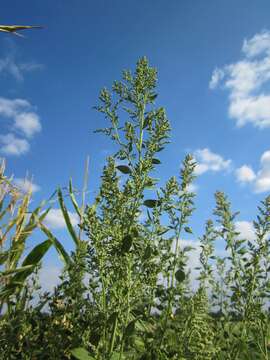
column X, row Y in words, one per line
column 67, row 218
column 180, row 275
column 124, row 169
column 17, row 270
column 152, row 97
column 146, row 122
column 130, row 328
column 36, row 254
column 147, row 253
column 31, row 261
column 156, row 161
column 112, row 317
column 73, row 199
column 81, row 354
column 188, row 230
column 126, row 243
column 152, row 203
column 242, row 251
column 3, row 257
column 115, row 356
column 160, row 149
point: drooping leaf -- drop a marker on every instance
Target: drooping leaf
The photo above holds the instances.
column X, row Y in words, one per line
column 33, row 259
column 124, row 169
column 180, row 275
column 36, row 254
column 81, row 354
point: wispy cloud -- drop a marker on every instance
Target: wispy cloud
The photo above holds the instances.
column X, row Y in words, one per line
column 246, row 81
column 20, row 118
column 260, row 180
column 25, row 185
column 11, row 66
column 209, row 161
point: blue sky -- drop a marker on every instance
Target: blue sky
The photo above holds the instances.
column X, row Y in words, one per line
column 213, row 61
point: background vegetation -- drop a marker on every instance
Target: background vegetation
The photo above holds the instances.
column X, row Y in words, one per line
column 126, row 292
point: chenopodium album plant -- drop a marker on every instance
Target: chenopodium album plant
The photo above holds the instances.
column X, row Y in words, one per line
column 137, row 267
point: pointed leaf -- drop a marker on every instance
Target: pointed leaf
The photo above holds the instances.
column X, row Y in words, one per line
column 73, row 199
column 188, row 230
column 17, row 270
column 124, row 169
column 152, row 203
column 156, row 161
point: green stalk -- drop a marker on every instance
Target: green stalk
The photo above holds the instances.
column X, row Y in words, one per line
column 141, row 119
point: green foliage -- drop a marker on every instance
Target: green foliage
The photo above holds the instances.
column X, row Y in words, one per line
column 126, row 290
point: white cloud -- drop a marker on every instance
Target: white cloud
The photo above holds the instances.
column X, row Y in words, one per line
column 258, row 44
column 28, row 123
column 249, row 102
column 9, row 65
column 55, row 219
column 209, row 161
column 259, row 180
column 10, row 108
column 25, row 185
column 262, row 183
column 20, row 117
column 12, row 145
column 245, row 174
column 246, row 230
